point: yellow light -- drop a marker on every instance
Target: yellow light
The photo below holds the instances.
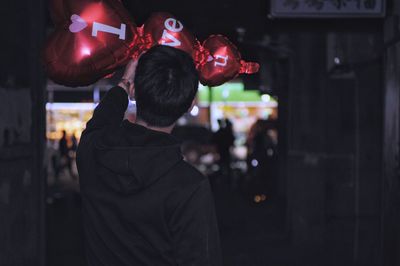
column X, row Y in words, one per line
column 257, row 199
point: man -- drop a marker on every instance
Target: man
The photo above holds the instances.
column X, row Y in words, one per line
column 142, row 204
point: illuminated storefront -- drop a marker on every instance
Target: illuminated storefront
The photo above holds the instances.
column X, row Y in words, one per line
column 228, row 101
column 71, row 117
column 231, row 101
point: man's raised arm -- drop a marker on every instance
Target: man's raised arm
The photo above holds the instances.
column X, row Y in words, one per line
column 111, row 109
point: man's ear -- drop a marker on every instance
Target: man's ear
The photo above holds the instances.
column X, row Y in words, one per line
column 193, row 104
column 131, row 91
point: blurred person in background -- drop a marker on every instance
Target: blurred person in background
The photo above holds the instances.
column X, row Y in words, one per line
column 72, row 152
column 261, row 156
column 224, row 140
column 74, row 142
column 65, row 160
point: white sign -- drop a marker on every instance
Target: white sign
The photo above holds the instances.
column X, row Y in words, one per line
column 327, row 8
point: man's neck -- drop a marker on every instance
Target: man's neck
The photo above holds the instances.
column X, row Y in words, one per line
column 167, row 130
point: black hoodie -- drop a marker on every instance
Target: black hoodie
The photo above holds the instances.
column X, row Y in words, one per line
column 142, row 204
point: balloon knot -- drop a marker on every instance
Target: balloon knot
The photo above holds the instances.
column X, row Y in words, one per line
column 143, row 43
column 248, row 67
column 201, row 55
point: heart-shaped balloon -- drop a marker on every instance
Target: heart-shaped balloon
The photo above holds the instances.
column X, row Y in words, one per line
column 92, row 38
column 223, row 62
column 165, row 29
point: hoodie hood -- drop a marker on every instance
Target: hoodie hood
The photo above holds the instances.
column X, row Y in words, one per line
column 136, row 158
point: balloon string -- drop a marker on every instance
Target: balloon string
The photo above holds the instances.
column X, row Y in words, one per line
column 248, row 67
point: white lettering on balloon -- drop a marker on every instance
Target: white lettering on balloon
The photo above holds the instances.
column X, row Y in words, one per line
column 173, row 25
column 224, row 61
column 121, row 32
column 167, row 38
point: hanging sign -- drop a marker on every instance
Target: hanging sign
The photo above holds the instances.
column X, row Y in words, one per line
column 327, row 8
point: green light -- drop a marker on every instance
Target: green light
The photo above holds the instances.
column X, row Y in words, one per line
column 228, row 93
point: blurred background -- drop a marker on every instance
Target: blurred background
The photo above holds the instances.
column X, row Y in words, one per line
column 303, row 157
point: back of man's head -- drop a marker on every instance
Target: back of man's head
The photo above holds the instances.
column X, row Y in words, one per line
column 166, row 83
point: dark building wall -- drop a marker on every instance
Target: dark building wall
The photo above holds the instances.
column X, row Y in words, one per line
column 22, row 136
column 335, row 141
column 391, row 179
column 391, row 187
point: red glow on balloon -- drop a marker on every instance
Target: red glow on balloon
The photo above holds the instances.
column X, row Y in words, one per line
column 85, row 51
column 85, row 46
column 94, row 12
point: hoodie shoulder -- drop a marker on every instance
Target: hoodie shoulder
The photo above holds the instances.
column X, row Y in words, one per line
column 183, row 180
column 188, row 175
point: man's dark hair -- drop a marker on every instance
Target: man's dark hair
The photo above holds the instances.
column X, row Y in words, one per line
column 166, row 83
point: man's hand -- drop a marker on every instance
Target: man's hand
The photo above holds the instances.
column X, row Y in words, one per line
column 127, row 79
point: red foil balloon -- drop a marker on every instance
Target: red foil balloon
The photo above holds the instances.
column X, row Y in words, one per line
column 92, row 38
column 223, row 63
column 165, row 29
